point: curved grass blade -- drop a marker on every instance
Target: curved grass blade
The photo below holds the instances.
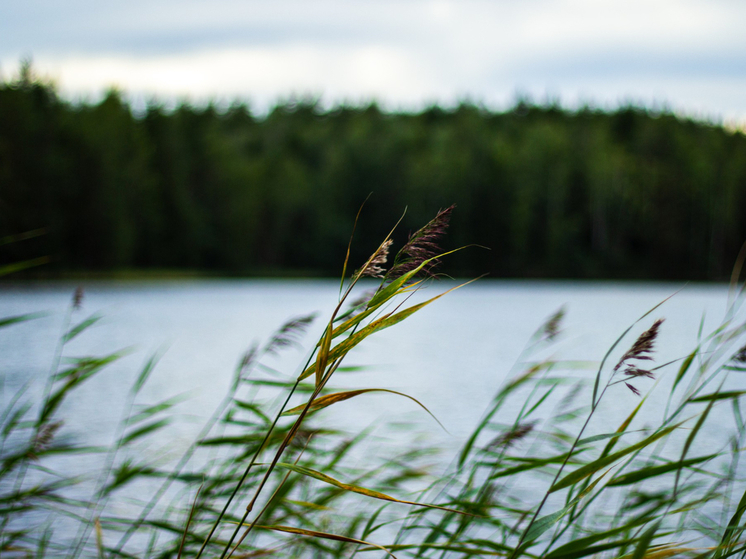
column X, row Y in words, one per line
column 685, row 367
column 718, row 396
column 142, row 378
column 582, row 546
column 360, row 490
column 533, row 463
column 144, row 430
column 23, row 265
column 74, row 376
column 149, row 411
column 329, row 399
column 622, row 429
column 21, row 318
column 645, row 541
column 323, row 535
column 655, row 471
column 733, row 530
column 544, row 523
column 323, row 357
column 81, row 327
column 349, row 243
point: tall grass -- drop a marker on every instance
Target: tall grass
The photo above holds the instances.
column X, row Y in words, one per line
column 541, row 475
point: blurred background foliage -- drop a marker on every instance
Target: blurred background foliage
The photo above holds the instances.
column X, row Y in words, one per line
column 553, row 193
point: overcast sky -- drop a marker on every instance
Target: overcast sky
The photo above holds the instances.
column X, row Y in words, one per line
column 688, row 55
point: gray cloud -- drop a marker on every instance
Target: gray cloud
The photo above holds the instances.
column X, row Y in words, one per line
column 686, row 52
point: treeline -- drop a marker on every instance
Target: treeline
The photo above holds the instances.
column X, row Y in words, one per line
column 552, row 193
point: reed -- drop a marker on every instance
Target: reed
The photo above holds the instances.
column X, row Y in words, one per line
column 266, row 476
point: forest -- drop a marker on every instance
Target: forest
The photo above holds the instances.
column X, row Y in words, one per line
column 96, row 187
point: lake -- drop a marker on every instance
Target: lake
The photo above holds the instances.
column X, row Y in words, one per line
column 452, row 355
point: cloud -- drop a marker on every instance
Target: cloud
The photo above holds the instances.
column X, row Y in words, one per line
column 689, row 53
column 260, row 73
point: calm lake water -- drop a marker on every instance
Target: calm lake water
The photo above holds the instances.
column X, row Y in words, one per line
column 452, row 355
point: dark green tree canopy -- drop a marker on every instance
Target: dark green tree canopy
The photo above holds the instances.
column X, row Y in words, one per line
column 553, row 193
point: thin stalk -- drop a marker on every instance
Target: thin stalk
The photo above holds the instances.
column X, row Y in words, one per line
column 288, row 438
column 246, row 471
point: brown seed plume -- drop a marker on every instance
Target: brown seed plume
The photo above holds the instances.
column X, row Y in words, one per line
column 44, row 438
column 289, row 334
column 552, row 326
column 78, row 297
column 633, row 389
column 635, row 372
column 508, row 439
column 421, row 246
column 374, row 267
column 643, row 347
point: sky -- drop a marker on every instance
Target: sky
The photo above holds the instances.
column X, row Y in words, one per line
column 688, row 56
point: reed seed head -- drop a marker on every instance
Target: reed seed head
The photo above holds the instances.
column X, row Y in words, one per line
column 422, row 246
column 633, row 389
column 78, row 297
column 551, row 328
column 374, row 267
column 44, row 438
column 643, row 346
column 248, row 358
column 506, row 440
column 635, row 372
column 289, row 334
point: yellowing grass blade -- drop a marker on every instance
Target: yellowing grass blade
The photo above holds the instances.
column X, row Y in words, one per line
column 323, row 357
column 99, row 538
column 360, row 490
column 329, row 399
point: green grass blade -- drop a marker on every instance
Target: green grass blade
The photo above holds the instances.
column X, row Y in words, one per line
column 323, row 535
column 142, row 378
column 144, row 430
column 645, row 540
column 581, row 547
column 21, row 318
column 80, row 328
column 733, row 530
column 23, row 265
column 589, row 469
column 718, row 396
column 655, row 471
column 685, row 367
